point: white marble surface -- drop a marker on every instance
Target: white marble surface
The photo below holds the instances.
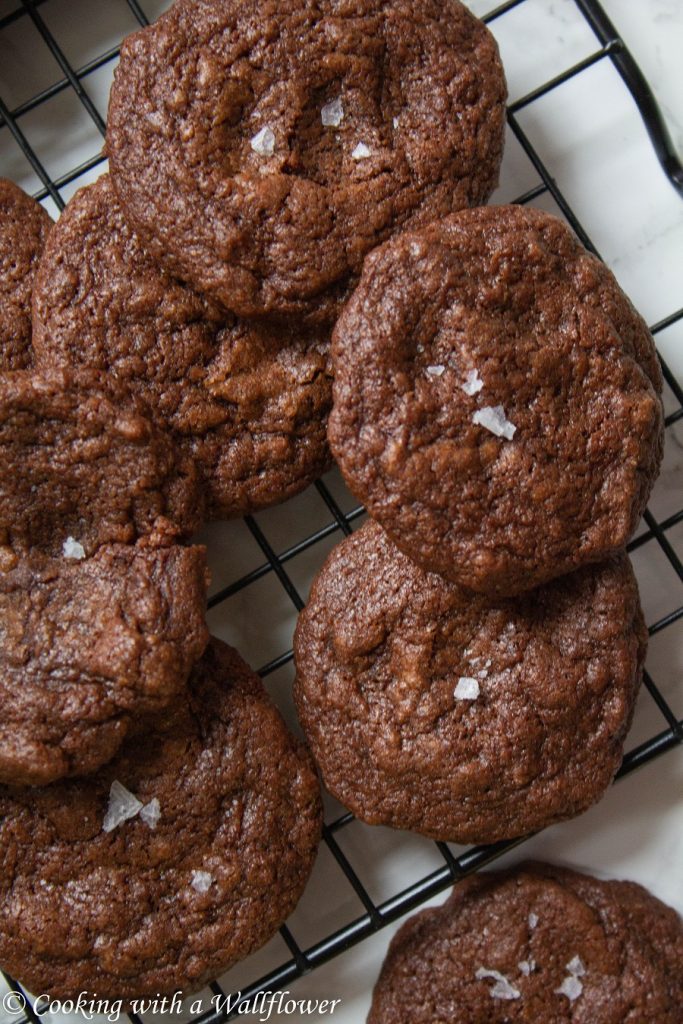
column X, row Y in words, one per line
column 590, row 135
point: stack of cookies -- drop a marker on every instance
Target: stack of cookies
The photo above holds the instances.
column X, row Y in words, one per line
column 147, row 779
column 468, row 663
column 179, row 370
column 257, row 152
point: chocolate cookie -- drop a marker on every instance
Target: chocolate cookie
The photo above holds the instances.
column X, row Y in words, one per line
column 431, row 709
column 536, row 944
column 496, row 400
column 24, row 225
column 89, row 646
column 177, row 859
column 80, row 457
column 262, row 147
column 247, row 402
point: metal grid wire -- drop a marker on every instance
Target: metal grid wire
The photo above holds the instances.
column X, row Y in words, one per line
column 609, row 46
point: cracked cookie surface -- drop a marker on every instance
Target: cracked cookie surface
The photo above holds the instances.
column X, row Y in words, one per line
column 466, row 719
column 246, row 402
column 262, row 148
column 497, row 400
column 82, row 458
column 24, row 226
column 90, row 648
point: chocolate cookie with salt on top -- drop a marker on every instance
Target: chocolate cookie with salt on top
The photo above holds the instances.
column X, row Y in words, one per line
column 497, row 400
column 535, row 943
column 263, row 147
column 24, row 226
column 463, row 718
column 182, row 855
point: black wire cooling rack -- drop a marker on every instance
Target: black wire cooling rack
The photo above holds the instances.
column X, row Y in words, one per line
column 609, row 46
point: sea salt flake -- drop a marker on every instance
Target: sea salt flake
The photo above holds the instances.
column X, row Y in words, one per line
column 575, row 967
column 201, row 881
column 526, row 966
column 571, row 987
column 263, row 142
column 361, row 152
column 436, row 371
column 473, row 383
column 395, row 122
column 332, row 114
column 493, row 418
column 151, row 813
column 502, row 988
column 533, row 920
column 122, row 806
column 467, row 688
column 72, row 549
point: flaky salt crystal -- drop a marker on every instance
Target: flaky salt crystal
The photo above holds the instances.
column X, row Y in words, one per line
column 151, row 813
column 435, row 371
column 201, row 881
column 575, row 967
column 361, row 152
column 571, row 987
column 395, row 122
column 122, row 806
column 526, row 966
column 263, row 142
column 473, row 383
column 72, row 549
column 332, row 114
column 502, row 988
column 467, row 689
column 533, row 920
column 493, row 418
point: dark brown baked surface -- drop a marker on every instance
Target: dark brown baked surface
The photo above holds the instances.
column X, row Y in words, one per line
column 90, row 649
column 221, row 159
column 508, row 946
column 24, row 225
column 247, row 402
column 122, row 912
column 496, row 400
column 81, row 457
column 431, row 709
